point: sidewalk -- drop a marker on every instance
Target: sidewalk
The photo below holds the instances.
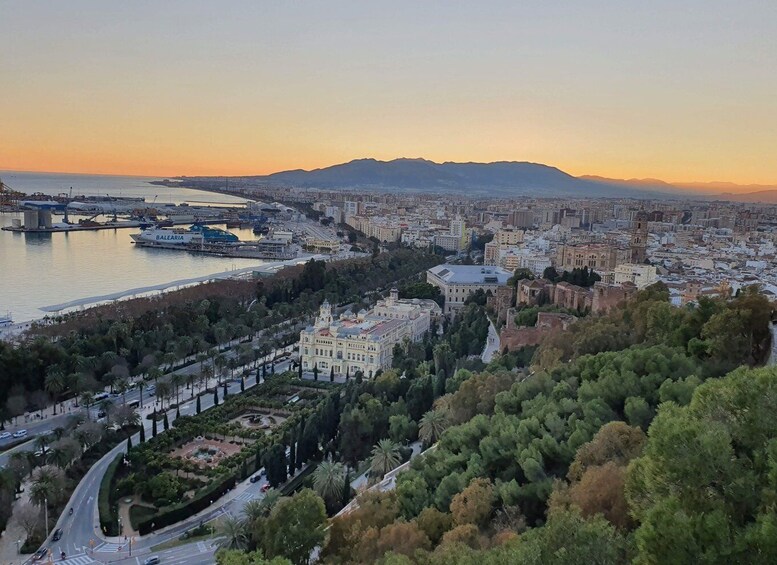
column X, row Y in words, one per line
column 14, row 532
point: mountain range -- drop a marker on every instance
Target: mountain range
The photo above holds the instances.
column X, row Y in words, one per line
column 501, row 178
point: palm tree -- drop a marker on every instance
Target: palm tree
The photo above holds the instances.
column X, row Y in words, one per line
column 107, row 407
column 328, row 480
column 121, row 387
column 75, row 383
column 163, row 390
column 190, row 378
column 48, row 484
column 87, row 398
column 234, row 532
column 433, row 424
column 141, row 386
column 41, row 442
column 155, row 373
column 385, row 457
column 55, row 384
column 59, row 456
column 177, row 381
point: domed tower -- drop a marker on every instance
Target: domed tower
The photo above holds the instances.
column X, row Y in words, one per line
column 324, row 315
column 639, row 237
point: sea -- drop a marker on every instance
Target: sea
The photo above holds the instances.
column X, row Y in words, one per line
column 41, row 270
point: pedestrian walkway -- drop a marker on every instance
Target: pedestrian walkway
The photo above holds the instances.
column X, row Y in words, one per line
column 77, row 560
column 109, row 547
column 14, row 531
column 247, row 496
column 492, row 344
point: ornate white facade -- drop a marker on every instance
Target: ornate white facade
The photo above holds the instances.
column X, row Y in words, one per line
column 364, row 341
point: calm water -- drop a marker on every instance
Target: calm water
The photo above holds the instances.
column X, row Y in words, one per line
column 38, row 270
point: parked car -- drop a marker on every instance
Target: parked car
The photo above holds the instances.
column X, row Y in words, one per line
column 20, row 433
column 265, row 488
column 40, row 554
column 5, row 435
column 256, row 478
column 57, row 534
column 153, row 560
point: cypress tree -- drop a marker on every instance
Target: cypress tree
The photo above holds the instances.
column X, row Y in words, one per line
column 292, row 454
column 315, row 372
column 129, row 443
column 332, row 374
column 347, row 374
column 166, row 422
column 199, row 408
column 258, row 460
column 215, row 397
column 242, row 385
column 226, row 392
column 257, row 377
column 153, row 424
column 142, row 433
column 264, row 371
column 272, row 368
column 299, row 370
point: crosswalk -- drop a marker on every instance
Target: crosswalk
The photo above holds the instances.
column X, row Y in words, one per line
column 246, row 496
column 108, row 547
column 77, row 560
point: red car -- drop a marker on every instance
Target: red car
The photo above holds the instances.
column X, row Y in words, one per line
column 265, row 487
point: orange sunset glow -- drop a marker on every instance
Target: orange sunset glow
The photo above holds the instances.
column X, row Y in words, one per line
column 196, row 88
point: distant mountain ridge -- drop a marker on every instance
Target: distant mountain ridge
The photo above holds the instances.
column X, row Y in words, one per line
column 500, row 178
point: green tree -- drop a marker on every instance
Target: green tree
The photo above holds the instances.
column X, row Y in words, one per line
column 385, row 457
column 704, row 489
column 433, row 424
column 328, row 480
column 233, row 532
column 402, row 429
column 295, row 527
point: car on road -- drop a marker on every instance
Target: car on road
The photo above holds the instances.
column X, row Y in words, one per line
column 265, row 487
column 20, row 433
column 40, row 554
column 256, row 478
column 5, row 435
column 57, row 534
column 153, row 560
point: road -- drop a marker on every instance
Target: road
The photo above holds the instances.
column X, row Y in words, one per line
column 36, row 425
column 82, row 540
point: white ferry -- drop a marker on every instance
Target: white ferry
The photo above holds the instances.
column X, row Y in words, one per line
column 168, row 236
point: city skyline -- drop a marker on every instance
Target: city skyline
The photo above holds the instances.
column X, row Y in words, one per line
column 678, row 93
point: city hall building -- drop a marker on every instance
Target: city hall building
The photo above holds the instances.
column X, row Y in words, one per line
column 364, row 341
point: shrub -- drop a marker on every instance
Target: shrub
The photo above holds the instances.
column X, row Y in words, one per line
column 108, row 516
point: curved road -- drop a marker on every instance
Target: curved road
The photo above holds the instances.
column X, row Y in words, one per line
column 83, row 542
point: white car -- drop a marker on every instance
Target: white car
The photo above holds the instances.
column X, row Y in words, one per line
column 20, row 433
column 5, row 435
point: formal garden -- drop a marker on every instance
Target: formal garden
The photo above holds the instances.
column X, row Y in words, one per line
column 187, row 466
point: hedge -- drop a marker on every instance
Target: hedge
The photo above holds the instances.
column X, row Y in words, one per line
column 177, row 512
column 108, row 518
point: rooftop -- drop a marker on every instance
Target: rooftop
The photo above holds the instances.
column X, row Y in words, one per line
column 471, row 274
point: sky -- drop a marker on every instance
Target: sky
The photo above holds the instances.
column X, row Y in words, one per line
column 677, row 90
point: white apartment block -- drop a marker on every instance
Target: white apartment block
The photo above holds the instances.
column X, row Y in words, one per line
column 639, row 274
column 457, row 282
column 364, row 341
